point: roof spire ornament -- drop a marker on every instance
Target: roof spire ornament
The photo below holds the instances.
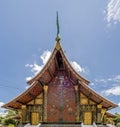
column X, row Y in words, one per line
column 58, row 29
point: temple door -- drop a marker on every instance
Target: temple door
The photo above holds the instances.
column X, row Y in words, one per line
column 87, row 118
column 34, row 118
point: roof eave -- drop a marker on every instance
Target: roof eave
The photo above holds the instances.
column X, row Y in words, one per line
column 57, row 47
column 111, row 104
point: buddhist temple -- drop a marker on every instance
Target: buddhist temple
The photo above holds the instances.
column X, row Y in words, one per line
column 59, row 95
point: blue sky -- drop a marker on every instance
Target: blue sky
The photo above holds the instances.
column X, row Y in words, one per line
column 90, row 36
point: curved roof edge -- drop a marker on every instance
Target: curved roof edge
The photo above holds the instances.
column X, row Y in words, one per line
column 110, row 103
column 110, row 115
column 57, row 47
column 20, row 96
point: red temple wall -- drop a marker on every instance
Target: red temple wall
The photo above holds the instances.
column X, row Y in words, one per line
column 61, row 100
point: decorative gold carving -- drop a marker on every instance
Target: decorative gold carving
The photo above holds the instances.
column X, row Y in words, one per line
column 52, row 111
column 87, row 107
column 40, row 95
column 31, row 102
column 38, row 101
column 91, row 102
column 87, row 118
column 45, row 87
column 77, row 103
column 82, row 95
column 70, row 111
column 35, row 118
column 45, row 103
column 23, row 106
column 84, row 101
column 58, row 46
column 99, row 106
column 76, row 87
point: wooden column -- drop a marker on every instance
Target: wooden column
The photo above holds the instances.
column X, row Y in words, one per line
column 104, row 119
column 103, row 111
column 94, row 117
column 99, row 107
column 45, row 103
column 23, row 113
column 20, row 114
column 77, row 103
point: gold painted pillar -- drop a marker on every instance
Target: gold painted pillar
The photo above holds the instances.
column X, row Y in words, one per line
column 23, row 113
column 104, row 119
column 45, row 103
column 99, row 115
column 20, row 114
column 103, row 111
column 94, row 117
column 77, row 103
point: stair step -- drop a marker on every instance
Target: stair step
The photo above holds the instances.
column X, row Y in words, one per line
column 60, row 125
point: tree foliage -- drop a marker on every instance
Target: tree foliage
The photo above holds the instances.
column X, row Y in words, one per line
column 117, row 119
column 1, row 119
column 9, row 118
column 8, row 121
column 118, row 124
column 11, row 113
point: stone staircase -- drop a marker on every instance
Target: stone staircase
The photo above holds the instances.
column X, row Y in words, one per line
column 87, row 126
column 60, row 125
column 65, row 125
column 29, row 125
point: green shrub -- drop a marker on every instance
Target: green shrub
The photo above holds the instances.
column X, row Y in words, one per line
column 118, row 124
column 11, row 125
column 8, row 121
column 1, row 118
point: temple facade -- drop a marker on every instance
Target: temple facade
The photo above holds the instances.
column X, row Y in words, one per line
column 58, row 94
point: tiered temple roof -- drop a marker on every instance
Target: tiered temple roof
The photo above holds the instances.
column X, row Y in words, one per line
column 57, row 61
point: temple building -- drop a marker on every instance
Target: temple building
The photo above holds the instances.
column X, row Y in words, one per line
column 58, row 94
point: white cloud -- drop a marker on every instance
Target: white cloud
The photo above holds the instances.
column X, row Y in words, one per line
column 35, row 68
column 2, row 109
column 119, row 104
column 92, row 84
column 112, row 91
column 101, row 80
column 26, row 87
column 1, row 104
column 29, row 65
column 113, row 11
column 28, row 78
column 77, row 67
column 45, row 56
column 115, row 79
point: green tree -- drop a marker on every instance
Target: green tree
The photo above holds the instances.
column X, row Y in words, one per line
column 10, row 118
column 117, row 118
column 1, row 119
column 11, row 113
column 8, row 121
column 118, row 124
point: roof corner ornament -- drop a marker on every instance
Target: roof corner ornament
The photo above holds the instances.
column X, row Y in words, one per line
column 58, row 29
